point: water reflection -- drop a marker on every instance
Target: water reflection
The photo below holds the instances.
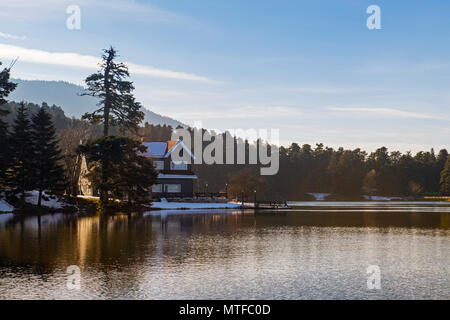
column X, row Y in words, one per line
column 188, row 254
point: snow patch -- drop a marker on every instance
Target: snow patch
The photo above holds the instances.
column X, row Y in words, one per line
column 155, row 149
column 48, row 200
column 5, row 206
column 381, row 198
column 194, row 205
column 319, row 196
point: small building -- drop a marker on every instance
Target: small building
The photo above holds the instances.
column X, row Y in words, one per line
column 174, row 179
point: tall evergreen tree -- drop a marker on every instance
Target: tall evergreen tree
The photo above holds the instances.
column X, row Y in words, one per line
column 4, row 153
column 117, row 105
column 445, row 178
column 129, row 173
column 48, row 172
column 6, row 87
column 21, row 177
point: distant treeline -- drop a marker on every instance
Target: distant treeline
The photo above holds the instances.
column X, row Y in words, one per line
column 349, row 173
column 303, row 169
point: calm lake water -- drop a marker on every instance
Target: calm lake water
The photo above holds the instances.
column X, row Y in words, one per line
column 315, row 251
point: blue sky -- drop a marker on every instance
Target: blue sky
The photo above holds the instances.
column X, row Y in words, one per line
column 309, row 68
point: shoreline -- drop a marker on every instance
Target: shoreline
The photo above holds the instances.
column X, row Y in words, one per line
column 89, row 205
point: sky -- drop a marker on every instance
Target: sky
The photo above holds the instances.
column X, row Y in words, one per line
column 311, row 69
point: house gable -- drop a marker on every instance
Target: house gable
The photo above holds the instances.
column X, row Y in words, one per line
column 174, row 178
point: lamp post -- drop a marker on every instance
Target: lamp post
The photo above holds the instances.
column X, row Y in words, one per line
column 226, row 190
column 254, row 192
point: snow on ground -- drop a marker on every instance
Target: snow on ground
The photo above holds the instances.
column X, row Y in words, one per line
column 319, row 196
column 195, row 205
column 381, row 198
column 49, row 201
column 5, row 206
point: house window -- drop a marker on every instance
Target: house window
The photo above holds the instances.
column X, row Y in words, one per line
column 158, row 164
column 178, row 166
column 173, row 188
column 157, row 188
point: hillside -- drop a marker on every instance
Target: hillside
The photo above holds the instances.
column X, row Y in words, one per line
column 67, row 95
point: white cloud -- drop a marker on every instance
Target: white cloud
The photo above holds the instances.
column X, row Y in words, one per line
column 320, row 90
column 76, row 60
column 12, row 36
column 245, row 112
column 403, row 68
column 388, row 112
column 50, row 9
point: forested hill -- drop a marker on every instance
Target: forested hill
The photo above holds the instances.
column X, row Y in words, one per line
column 67, row 94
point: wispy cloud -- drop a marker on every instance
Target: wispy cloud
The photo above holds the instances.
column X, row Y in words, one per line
column 71, row 59
column 244, row 112
column 46, row 9
column 320, row 90
column 401, row 67
column 12, row 36
column 391, row 113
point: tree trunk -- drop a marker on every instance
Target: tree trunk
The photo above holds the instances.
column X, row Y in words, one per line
column 106, row 121
column 40, row 198
column 107, row 85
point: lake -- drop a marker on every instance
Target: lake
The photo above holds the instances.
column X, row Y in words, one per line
column 317, row 250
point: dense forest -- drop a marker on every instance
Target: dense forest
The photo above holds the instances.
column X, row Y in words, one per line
column 344, row 173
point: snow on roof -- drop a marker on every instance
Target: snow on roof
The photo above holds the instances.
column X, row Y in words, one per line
column 155, row 149
column 164, row 149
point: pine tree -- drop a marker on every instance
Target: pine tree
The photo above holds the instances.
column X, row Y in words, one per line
column 445, row 178
column 136, row 174
column 21, row 175
column 4, row 153
column 130, row 175
column 48, row 172
column 6, row 87
column 118, row 106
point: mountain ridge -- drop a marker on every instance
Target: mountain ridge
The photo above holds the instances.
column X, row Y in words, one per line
column 67, row 95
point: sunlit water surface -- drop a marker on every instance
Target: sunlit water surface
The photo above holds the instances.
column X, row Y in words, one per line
column 315, row 251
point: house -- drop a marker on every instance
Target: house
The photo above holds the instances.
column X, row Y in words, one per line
column 174, row 179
